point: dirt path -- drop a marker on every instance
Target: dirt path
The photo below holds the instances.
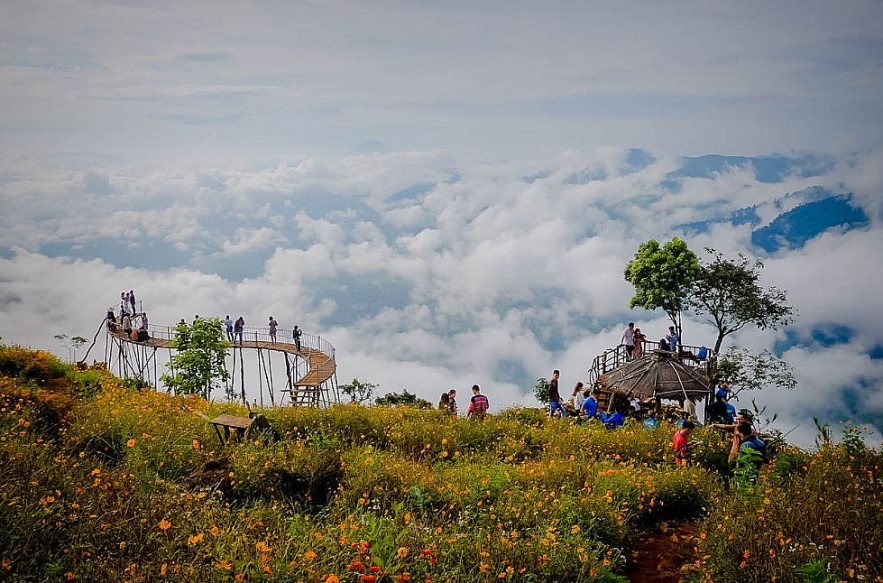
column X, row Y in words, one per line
column 661, row 551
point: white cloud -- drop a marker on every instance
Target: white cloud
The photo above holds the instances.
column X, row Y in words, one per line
column 502, row 277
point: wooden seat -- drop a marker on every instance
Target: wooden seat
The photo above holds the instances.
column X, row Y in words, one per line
column 239, row 426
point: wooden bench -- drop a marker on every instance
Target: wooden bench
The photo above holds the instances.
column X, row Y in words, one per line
column 241, row 427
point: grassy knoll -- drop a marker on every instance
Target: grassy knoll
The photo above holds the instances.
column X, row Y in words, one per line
column 99, row 480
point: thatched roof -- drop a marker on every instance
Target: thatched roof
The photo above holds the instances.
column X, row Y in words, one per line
column 658, row 374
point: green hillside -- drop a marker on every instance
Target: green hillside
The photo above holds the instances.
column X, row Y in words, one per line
column 102, row 481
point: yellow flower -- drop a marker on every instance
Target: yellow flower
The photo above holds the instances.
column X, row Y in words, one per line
column 402, row 552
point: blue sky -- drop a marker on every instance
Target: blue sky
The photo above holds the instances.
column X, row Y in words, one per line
column 447, row 191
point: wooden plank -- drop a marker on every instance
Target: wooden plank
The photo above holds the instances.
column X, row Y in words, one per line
column 232, row 421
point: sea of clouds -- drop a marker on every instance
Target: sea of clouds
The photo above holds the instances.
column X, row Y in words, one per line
column 428, row 274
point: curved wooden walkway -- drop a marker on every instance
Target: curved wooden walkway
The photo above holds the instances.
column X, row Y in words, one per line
column 322, row 366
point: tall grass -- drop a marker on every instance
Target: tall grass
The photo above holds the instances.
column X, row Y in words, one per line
column 102, row 481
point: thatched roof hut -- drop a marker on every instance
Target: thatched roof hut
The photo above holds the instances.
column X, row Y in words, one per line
column 660, row 375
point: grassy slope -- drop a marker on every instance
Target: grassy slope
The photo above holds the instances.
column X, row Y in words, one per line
column 99, row 480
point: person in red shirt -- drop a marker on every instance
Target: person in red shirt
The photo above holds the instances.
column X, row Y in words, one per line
column 681, row 444
column 478, row 404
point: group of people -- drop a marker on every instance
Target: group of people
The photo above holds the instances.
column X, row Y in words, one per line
column 235, row 329
column 133, row 324
column 478, row 403
column 584, row 404
column 635, row 342
column 744, row 438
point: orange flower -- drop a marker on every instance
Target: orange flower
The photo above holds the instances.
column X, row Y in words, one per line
column 196, row 444
column 195, row 539
column 332, row 578
column 263, row 547
column 402, row 552
column 225, row 565
column 310, row 555
column 131, row 443
column 164, row 524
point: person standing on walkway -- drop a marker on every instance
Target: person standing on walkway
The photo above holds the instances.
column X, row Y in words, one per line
column 228, row 326
column 132, row 301
column 639, row 338
column 238, row 328
column 628, row 339
column 296, row 334
column 273, row 325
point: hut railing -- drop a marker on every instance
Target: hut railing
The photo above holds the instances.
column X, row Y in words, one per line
column 613, row 358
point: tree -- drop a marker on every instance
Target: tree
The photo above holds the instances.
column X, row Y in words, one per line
column 748, row 370
column 198, row 365
column 71, row 343
column 663, row 277
column 404, row 399
column 541, row 390
column 729, row 293
column 359, row 391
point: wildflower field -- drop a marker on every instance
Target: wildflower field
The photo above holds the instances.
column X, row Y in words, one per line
column 102, row 481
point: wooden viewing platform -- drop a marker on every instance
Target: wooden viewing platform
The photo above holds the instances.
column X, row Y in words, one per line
column 310, row 366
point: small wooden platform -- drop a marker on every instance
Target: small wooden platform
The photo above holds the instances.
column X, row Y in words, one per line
column 239, row 426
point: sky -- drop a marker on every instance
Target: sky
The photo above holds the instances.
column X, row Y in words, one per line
column 447, row 192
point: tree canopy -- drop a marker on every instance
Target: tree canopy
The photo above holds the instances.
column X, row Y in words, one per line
column 663, row 276
column 198, row 366
column 404, row 399
column 729, row 293
column 358, row 391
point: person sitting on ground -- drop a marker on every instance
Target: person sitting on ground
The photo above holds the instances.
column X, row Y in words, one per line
column 681, row 444
column 744, row 440
column 613, row 421
column 478, row 404
column 590, row 405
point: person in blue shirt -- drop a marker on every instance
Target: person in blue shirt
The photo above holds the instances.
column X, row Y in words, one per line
column 731, row 413
column 613, row 421
column 672, row 338
column 743, row 440
column 590, row 405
